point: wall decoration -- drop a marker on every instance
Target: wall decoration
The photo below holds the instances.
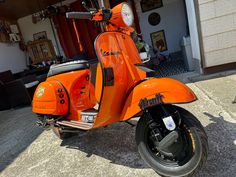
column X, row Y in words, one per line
column 14, row 29
column 5, row 30
column 40, row 35
column 148, row 5
column 159, row 40
column 154, row 19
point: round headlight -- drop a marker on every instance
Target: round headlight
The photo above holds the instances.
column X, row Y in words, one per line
column 127, row 14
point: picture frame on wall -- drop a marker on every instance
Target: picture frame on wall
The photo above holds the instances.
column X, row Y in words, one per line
column 159, row 40
column 40, row 35
column 147, row 5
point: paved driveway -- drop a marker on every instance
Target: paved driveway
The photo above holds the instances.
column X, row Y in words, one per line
column 27, row 151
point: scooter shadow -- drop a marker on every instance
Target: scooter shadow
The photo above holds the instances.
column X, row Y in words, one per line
column 222, row 148
column 115, row 143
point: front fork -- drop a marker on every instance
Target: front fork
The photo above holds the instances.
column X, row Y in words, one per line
column 161, row 142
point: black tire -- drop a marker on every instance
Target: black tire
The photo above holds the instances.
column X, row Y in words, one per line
column 197, row 142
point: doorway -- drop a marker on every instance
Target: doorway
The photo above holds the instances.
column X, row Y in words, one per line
column 169, row 27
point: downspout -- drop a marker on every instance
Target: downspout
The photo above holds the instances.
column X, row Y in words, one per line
column 200, row 37
column 195, row 31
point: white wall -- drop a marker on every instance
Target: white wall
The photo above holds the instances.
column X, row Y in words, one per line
column 12, row 58
column 28, row 29
column 173, row 22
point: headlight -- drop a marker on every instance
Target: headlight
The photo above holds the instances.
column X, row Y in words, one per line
column 127, row 14
column 122, row 15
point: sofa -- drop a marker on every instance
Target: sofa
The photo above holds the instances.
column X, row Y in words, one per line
column 13, row 92
column 4, row 101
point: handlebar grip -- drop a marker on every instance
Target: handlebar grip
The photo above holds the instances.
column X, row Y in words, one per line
column 79, row 15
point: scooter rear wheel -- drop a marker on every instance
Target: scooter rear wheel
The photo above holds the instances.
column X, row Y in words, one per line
column 184, row 157
column 62, row 135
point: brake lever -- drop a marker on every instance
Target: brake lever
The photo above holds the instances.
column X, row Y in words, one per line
column 87, row 8
column 85, row 5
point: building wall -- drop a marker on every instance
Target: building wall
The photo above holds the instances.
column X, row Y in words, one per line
column 28, row 29
column 12, row 58
column 218, row 26
column 173, row 22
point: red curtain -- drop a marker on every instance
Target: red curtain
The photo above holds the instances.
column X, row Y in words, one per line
column 76, row 36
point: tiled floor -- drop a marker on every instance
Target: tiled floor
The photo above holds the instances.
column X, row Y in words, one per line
column 170, row 68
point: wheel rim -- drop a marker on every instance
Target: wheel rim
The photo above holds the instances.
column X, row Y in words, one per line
column 178, row 154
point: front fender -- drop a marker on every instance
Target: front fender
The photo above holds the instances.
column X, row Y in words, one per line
column 172, row 92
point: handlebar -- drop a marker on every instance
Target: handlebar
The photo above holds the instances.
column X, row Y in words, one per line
column 79, row 15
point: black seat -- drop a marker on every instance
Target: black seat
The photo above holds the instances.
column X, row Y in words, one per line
column 67, row 67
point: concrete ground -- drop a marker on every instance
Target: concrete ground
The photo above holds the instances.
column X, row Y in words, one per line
column 27, row 151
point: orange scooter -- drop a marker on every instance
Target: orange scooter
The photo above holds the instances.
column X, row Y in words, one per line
column 78, row 96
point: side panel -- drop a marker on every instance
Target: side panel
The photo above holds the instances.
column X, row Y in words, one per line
column 80, row 90
column 172, row 92
column 50, row 98
column 117, row 54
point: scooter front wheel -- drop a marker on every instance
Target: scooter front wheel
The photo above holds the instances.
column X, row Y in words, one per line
column 184, row 157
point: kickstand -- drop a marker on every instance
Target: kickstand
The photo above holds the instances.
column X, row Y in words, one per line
column 128, row 122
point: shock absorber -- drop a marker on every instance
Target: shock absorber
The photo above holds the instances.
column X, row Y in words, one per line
column 159, row 141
